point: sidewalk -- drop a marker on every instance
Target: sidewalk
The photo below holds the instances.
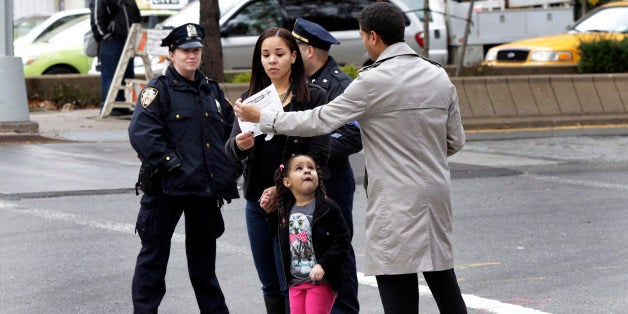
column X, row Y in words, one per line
column 81, row 125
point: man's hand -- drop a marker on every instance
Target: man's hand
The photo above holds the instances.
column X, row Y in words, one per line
column 247, row 112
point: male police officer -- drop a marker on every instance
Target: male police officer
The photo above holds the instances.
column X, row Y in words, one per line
column 322, row 70
column 178, row 129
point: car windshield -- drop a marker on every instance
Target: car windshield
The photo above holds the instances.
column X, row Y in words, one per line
column 69, row 33
column 611, row 20
column 190, row 14
column 24, row 25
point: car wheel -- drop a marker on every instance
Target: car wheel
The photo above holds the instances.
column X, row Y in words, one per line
column 61, row 69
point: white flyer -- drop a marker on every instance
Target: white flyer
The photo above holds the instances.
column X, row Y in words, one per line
column 266, row 99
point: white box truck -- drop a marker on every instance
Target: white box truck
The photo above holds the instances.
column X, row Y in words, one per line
column 492, row 24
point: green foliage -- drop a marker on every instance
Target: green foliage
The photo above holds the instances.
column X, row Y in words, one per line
column 603, row 55
column 240, row 78
column 351, row 70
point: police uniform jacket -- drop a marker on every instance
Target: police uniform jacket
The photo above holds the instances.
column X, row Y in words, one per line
column 330, row 237
column 261, row 161
column 346, row 139
column 410, row 122
column 182, row 130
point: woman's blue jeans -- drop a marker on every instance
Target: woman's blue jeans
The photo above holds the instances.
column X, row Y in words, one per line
column 265, row 250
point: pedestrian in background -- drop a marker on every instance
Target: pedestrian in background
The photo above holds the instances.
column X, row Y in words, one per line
column 314, row 238
column 276, row 60
column 322, row 70
column 178, row 128
column 409, row 116
column 111, row 21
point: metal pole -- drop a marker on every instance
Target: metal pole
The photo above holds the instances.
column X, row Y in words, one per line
column 466, row 36
column 13, row 105
column 426, row 27
column 7, row 26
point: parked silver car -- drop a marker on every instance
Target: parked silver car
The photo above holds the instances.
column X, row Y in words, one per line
column 242, row 21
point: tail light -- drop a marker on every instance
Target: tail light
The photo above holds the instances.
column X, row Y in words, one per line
column 420, row 39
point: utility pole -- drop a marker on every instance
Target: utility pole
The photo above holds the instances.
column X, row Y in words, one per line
column 14, row 116
column 466, row 37
column 426, row 27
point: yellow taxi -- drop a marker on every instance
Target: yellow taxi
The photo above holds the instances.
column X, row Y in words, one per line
column 607, row 21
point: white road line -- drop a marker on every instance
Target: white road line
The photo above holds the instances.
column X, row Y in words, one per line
column 222, row 246
column 471, row 301
column 593, row 184
column 474, row 302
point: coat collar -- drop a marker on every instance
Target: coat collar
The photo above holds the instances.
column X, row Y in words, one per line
column 394, row 50
column 390, row 52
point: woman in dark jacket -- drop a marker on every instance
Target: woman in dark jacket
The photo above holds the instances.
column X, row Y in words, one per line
column 277, row 61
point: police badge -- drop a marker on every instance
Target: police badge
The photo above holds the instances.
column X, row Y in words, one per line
column 147, row 96
column 191, row 31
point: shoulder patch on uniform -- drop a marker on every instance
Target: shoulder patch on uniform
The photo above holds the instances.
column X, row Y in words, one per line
column 148, row 95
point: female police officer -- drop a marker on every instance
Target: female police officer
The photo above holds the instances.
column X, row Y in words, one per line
column 178, row 129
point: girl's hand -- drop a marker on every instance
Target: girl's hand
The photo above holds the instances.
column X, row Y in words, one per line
column 317, row 273
column 268, row 200
column 245, row 140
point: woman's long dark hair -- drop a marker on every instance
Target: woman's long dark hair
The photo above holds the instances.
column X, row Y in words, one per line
column 259, row 78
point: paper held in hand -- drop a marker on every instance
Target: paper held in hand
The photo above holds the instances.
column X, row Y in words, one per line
column 268, row 100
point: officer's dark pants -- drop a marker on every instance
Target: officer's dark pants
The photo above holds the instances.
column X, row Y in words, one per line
column 400, row 293
column 156, row 222
column 341, row 187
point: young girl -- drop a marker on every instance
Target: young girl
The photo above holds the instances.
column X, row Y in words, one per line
column 314, row 238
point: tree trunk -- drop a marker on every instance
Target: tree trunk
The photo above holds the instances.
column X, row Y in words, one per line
column 211, row 64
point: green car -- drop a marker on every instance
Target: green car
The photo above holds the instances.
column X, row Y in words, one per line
column 60, row 51
column 57, row 52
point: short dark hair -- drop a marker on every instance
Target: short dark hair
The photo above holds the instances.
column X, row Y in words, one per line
column 259, row 78
column 385, row 19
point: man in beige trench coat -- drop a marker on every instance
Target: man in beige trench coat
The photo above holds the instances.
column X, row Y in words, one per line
column 409, row 116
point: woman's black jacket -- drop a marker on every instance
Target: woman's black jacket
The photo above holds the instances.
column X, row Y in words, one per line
column 261, row 161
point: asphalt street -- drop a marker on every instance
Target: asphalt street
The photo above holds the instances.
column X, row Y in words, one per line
column 539, row 227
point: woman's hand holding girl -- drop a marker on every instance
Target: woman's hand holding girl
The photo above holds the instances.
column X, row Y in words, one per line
column 268, row 200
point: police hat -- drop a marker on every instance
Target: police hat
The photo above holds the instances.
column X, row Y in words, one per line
column 313, row 34
column 186, row 36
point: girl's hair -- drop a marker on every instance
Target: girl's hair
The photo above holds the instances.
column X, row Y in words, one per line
column 284, row 195
column 259, row 78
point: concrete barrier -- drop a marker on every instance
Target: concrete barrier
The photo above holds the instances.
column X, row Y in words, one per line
column 543, row 100
column 488, row 101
